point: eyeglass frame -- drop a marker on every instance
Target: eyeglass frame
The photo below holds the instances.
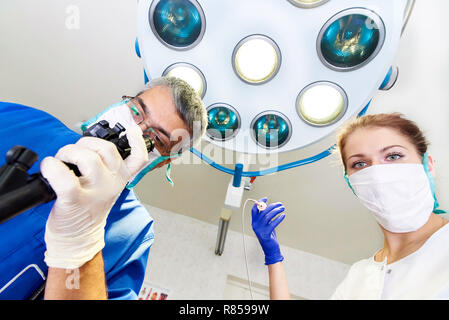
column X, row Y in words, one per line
column 149, row 130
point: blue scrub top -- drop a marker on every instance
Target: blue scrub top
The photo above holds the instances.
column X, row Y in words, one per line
column 129, row 229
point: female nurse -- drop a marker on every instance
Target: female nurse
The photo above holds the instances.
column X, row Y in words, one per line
column 387, row 167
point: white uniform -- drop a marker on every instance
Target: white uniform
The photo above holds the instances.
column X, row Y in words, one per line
column 424, row 274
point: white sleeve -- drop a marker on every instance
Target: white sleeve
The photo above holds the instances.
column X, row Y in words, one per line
column 339, row 292
column 352, row 285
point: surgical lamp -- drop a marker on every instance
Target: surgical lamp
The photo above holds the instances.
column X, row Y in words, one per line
column 280, row 74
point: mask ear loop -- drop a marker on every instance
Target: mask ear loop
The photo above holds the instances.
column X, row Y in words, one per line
column 349, row 183
column 147, row 169
column 153, row 164
column 425, row 162
column 168, row 170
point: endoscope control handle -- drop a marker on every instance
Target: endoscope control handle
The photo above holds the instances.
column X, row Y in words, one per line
column 20, row 192
column 123, row 148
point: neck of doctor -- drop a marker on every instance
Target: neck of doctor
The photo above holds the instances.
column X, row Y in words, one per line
column 399, row 245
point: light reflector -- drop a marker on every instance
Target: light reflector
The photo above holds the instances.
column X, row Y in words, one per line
column 350, row 39
column 307, row 3
column 321, row 103
column 256, row 59
column 224, row 121
column 178, row 24
column 271, row 129
column 189, row 73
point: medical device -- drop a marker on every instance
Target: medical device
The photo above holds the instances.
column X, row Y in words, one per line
column 261, row 206
column 284, row 74
column 20, row 191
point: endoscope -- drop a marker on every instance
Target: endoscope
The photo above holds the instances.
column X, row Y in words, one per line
column 20, row 191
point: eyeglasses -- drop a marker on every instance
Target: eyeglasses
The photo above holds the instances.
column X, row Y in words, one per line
column 142, row 118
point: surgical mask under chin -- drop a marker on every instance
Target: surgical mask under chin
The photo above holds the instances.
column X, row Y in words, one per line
column 401, row 196
column 154, row 158
column 120, row 112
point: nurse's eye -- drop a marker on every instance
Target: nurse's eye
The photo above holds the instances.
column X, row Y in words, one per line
column 358, row 164
column 394, row 156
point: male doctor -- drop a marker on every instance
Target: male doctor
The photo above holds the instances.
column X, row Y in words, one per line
column 93, row 241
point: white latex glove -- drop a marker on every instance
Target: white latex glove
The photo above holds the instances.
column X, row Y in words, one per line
column 74, row 232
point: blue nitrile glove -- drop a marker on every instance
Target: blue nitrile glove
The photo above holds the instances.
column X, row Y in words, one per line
column 264, row 226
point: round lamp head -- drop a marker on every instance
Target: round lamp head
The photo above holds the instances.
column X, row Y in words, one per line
column 307, row 3
column 178, row 24
column 256, row 59
column 350, row 39
column 224, row 122
column 189, row 73
column 271, row 129
column 321, row 103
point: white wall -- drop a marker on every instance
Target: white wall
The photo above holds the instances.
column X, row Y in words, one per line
column 183, row 260
column 72, row 73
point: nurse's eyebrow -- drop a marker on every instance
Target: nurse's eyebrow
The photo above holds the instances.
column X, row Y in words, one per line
column 361, row 155
column 358, row 155
column 389, row 147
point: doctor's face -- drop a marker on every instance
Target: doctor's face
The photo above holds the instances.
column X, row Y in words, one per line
column 379, row 145
column 157, row 111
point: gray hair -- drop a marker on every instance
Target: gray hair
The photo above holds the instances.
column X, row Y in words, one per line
column 188, row 103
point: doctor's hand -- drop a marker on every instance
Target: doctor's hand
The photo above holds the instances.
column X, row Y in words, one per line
column 263, row 223
column 74, row 232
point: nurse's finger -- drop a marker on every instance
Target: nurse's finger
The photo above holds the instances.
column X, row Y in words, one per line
column 273, row 213
column 255, row 209
column 271, row 207
column 276, row 222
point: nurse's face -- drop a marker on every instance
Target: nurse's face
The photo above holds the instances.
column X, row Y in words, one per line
column 371, row 146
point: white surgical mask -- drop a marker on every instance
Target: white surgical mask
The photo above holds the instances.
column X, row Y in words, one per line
column 118, row 112
column 399, row 195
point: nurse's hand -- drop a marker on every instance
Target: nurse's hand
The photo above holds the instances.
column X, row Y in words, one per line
column 263, row 223
column 75, row 228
